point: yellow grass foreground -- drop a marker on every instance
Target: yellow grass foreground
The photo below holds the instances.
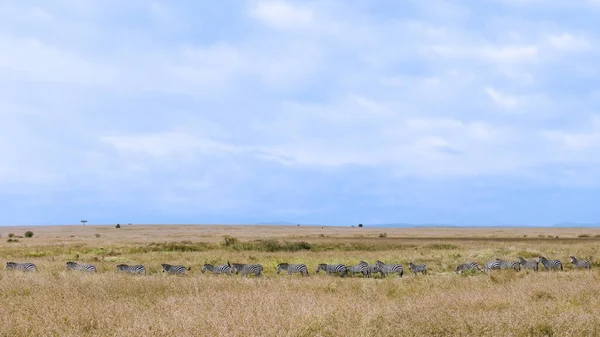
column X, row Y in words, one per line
column 54, row 302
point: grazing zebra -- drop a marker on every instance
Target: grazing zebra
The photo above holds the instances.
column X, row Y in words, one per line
column 417, row 268
column 245, row 269
column 372, row 269
column 492, row 265
column 550, row 264
column 516, row 266
column 81, row 267
column 177, row 270
column 580, row 263
column 27, row 266
column 362, row 268
column 292, row 268
column 531, row 264
column 333, row 268
column 467, row 266
column 385, row 269
column 138, row 269
column 220, row 269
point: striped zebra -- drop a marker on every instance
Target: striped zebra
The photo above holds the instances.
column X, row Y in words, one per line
column 492, row 265
column 292, row 268
column 580, row 263
column 81, row 267
column 219, row 269
column 550, row 264
column 417, row 268
column 333, row 268
column 27, row 266
column 372, row 269
column 137, row 269
column 505, row 265
column 466, row 267
column 385, row 269
column 245, row 269
column 171, row 269
column 360, row 268
column 531, row 264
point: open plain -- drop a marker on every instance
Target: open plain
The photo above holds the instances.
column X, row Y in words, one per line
column 54, row 302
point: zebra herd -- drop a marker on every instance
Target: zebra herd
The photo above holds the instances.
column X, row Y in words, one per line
column 362, row 268
column 499, row 264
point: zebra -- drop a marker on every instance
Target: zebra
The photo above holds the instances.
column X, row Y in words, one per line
column 244, row 269
column 516, row 266
column 27, row 266
column 385, row 269
column 138, row 269
column 492, row 265
column 361, row 267
column 467, row 266
column 417, row 268
column 171, row 269
column 81, row 267
column 532, row 264
column 550, row 264
column 219, row 269
column 292, row 268
column 580, row 263
column 333, row 268
column 372, row 269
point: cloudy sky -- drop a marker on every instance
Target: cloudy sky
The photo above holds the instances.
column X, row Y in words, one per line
column 333, row 112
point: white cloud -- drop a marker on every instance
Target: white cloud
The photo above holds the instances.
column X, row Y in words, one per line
column 501, row 99
column 569, row 42
column 281, row 14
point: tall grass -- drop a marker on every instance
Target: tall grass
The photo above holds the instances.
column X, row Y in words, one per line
column 53, row 301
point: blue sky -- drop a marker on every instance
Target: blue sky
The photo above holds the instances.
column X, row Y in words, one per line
column 333, row 112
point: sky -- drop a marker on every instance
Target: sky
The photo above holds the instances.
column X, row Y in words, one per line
column 482, row 112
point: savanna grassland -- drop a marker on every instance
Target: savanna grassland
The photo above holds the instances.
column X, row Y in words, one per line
column 54, row 302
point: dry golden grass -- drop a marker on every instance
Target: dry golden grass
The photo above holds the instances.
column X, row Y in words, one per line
column 53, row 302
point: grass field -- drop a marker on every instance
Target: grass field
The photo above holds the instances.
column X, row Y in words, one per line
column 53, row 302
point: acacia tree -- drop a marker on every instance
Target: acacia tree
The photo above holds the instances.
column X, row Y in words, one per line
column 83, row 222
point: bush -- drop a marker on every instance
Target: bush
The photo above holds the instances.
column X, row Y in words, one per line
column 229, row 240
column 118, row 226
column 11, row 235
column 28, row 234
column 360, row 225
column 383, row 235
column 12, row 240
column 583, row 236
column 97, row 235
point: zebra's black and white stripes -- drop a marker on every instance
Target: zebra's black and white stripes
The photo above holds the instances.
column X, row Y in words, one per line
column 292, row 268
column 219, row 269
column 245, row 269
column 176, row 270
column 492, row 265
column 514, row 265
column 550, row 264
column 466, row 267
column 137, row 269
column 333, row 268
column 531, row 264
column 81, row 267
column 360, row 268
column 585, row 264
column 417, row 268
column 26, row 266
column 385, row 269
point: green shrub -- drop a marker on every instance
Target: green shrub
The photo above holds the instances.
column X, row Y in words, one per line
column 383, row 235
column 583, row 236
column 28, row 234
column 11, row 235
column 12, row 240
column 229, row 240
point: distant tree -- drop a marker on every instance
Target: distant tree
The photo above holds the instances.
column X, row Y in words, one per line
column 28, row 234
column 360, row 225
column 83, row 222
column 118, row 226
